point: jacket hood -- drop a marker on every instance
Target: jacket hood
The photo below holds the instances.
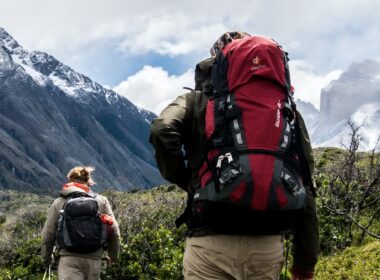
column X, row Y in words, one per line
column 203, row 72
column 74, row 187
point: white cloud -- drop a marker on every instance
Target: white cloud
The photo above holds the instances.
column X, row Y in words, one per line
column 153, row 88
column 179, row 27
column 182, row 38
column 307, row 83
column 328, row 34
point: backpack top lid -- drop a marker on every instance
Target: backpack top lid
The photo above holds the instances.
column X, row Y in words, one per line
column 75, row 189
column 254, row 57
column 81, row 205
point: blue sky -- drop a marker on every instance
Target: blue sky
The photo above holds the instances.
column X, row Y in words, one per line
column 146, row 50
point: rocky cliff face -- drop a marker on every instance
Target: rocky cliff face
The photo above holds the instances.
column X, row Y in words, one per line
column 53, row 118
column 358, row 86
column 354, row 96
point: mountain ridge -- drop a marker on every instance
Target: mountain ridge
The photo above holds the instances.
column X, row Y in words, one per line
column 354, row 97
column 49, row 109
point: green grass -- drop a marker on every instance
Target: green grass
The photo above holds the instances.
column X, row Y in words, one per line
column 354, row 263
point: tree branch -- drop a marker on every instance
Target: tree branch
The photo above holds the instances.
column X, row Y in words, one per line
column 342, row 213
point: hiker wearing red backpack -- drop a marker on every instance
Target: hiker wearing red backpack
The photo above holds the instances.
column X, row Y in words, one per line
column 82, row 226
column 240, row 149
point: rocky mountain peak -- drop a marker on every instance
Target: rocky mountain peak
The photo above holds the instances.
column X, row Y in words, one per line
column 368, row 70
column 53, row 118
column 354, row 96
column 357, row 86
column 11, row 44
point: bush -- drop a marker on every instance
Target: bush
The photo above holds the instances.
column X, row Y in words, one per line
column 152, row 247
column 349, row 190
column 150, row 255
column 24, row 262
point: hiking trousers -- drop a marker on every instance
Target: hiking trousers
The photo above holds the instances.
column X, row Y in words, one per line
column 79, row 268
column 233, row 257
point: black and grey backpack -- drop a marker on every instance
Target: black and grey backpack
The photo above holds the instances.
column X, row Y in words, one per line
column 80, row 229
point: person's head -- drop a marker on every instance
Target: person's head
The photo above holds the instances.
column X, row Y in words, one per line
column 226, row 38
column 82, row 175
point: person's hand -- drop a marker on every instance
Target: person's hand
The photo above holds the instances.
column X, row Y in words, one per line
column 109, row 260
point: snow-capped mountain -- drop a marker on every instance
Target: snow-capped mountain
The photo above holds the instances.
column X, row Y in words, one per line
column 53, row 118
column 354, row 96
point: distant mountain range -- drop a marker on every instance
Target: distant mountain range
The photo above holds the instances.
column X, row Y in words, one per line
column 53, row 118
column 355, row 96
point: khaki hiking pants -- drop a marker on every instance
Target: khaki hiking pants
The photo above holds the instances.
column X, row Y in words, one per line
column 78, row 268
column 233, row 257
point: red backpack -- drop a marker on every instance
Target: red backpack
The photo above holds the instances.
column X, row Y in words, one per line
column 250, row 127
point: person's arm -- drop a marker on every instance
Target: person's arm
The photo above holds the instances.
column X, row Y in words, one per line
column 306, row 232
column 306, row 241
column 167, row 138
column 48, row 233
column 307, row 155
column 114, row 238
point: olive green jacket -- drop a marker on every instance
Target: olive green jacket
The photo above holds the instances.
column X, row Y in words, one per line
column 178, row 139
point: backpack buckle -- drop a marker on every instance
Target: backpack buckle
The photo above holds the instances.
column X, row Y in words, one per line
column 221, row 158
column 228, row 174
column 219, row 162
column 292, row 186
column 221, row 107
column 230, row 171
column 229, row 157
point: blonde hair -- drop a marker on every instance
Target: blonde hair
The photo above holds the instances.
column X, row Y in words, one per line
column 81, row 174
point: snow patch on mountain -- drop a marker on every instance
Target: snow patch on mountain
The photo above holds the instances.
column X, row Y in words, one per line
column 63, row 85
column 5, row 61
column 36, row 76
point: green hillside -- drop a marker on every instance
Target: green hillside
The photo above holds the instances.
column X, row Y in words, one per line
column 152, row 248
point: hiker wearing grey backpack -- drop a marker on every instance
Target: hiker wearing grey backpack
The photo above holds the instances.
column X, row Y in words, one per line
column 240, row 149
column 81, row 224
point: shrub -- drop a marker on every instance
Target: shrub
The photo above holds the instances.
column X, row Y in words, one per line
column 152, row 247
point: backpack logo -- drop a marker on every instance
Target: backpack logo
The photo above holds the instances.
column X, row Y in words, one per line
column 256, row 64
column 278, row 114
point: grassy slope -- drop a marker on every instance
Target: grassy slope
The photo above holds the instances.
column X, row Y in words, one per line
column 356, row 263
